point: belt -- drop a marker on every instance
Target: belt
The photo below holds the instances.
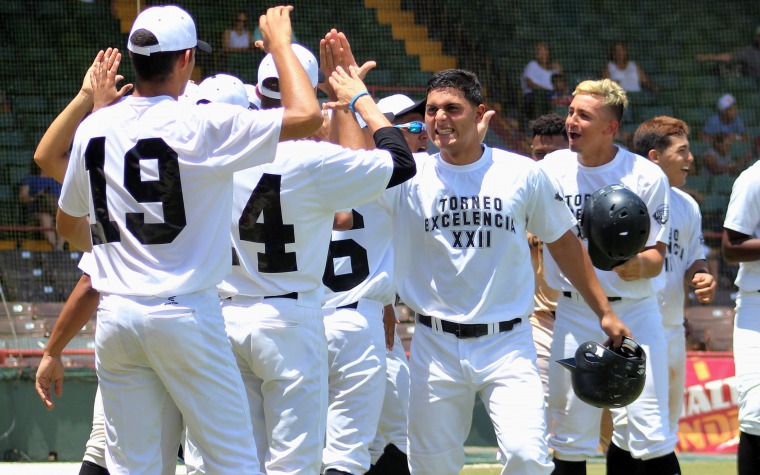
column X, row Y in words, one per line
column 467, row 330
column 354, row 306
column 609, row 299
column 292, row 296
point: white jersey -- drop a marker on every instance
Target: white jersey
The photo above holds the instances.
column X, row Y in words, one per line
column 360, row 263
column 459, row 235
column 155, row 175
column 576, row 183
column 685, row 246
column 283, row 214
column 628, row 78
column 743, row 216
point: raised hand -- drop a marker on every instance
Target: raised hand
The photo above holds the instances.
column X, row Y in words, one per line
column 346, row 86
column 276, row 29
column 104, row 77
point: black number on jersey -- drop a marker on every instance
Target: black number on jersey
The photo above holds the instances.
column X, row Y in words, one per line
column 271, row 232
column 357, row 254
column 167, row 190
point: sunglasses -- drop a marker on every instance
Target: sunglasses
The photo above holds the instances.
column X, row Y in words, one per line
column 413, row 127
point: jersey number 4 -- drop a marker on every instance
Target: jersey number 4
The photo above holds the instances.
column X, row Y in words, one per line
column 359, row 262
column 167, row 190
column 272, row 232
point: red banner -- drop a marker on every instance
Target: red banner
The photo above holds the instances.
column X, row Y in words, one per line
column 709, row 422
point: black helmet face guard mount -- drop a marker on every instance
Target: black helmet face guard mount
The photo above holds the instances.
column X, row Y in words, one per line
column 616, row 222
column 607, row 378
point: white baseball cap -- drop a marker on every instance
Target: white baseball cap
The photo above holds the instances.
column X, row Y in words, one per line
column 172, row 26
column 222, row 88
column 253, row 97
column 726, row 101
column 398, row 105
column 189, row 95
column 268, row 75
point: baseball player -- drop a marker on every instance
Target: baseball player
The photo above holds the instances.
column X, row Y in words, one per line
column 282, row 219
column 740, row 243
column 462, row 263
column 137, row 170
column 592, row 162
column 359, row 304
column 664, row 140
column 549, row 135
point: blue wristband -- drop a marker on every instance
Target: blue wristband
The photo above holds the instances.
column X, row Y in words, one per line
column 356, row 97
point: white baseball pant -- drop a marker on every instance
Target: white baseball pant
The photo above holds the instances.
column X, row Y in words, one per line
column 393, row 417
column 746, row 354
column 447, row 373
column 356, row 359
column 575, row 424
column 281, row 352
column 95, row 450
column 150, row 350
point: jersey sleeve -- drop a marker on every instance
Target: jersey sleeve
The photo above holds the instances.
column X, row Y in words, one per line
column 75, row 195
column 351, row 177
column 238, row 138
column 696, row 240
column 548, row 215
column 657, row 199
column 743, row 211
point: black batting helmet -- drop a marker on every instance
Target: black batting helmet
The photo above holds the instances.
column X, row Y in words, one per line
column 616, row 223
column 607, row 378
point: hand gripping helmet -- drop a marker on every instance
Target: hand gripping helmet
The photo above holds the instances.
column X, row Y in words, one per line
column 607, row 378
column 616, row 223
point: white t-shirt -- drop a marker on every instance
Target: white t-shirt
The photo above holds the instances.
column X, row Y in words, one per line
column 155, row 177
column 743, row 216
column 628, row 78
column 360, row 264
column 685, row 246
column 283, row 213
column 540, row 76
column 459, row 235
column 576, row 183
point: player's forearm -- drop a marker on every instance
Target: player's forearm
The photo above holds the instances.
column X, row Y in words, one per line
column 572, row 259
column 302, row 116
column 345, row 130
column 52, row 151
column 80, row 306
column 737, row 247
column 652, row 261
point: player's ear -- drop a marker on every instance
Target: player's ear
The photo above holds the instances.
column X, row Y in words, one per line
column 479, row 112
column 653, row 156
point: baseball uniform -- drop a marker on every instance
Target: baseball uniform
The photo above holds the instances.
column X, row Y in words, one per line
column 575, row 435
column 358, row 282
column 463, row 264
column 743, row 216
column 154, row 176
column 282, row 220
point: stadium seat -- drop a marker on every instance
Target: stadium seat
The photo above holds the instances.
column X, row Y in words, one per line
column 12, row 139
column 722, row 184
column 700, row 183
column 719, row 336
column 699, row 318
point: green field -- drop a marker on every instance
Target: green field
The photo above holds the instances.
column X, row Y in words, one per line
column 688, row 467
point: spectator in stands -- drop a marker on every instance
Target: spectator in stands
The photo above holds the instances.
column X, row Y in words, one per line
column 718, row 159
column 748, row 57
column 726, row 120
column 238, row 39
column 536, row 80
column 39, row 194
column 560, row 96
column 626, row 72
